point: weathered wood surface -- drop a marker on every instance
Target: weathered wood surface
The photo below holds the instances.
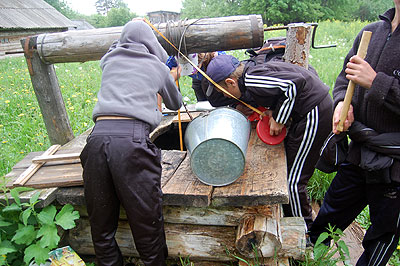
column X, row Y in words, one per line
column 292, row 232
column 263, row 181
column 197, row 242
column 47, row 90
column 47, row 196
column 201, row 35
column 218, row 216
column 298, row 42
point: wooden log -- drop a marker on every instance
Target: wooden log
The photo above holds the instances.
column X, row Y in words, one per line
column 258, row 236
column 193, row 241
column 45, row 84
column 221, row 216
column 200, row 35
column 293, row 237
column 298, row 42
column 266, row 261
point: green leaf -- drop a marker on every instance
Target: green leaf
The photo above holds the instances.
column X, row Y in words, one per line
column 34, row 199
column 4, row 223
column 24, row 235
column 7, row 247
column 320, row 251
column 322, row 237
column 49, row 236
column 12, row 208
column 15, row 193
column 342, row 245
column 25, row 215
column 36, row 252
column 66, row 217
column 46, row 216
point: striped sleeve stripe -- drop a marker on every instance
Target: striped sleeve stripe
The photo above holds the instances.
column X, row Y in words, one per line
column 287, row 86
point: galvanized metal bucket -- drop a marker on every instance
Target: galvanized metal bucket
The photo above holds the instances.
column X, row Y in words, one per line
column 217, row 143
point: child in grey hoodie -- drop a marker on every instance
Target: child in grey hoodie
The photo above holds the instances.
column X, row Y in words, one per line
column 121, row 166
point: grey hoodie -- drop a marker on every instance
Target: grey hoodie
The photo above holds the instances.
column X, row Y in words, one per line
column 134, row 71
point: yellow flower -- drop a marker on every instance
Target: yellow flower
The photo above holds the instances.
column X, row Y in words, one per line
column 21, row 115
column 22, row 152
column 398, row 247
column 73, row 96
column 41, row 144
column 4, row 141
column 7, row 101
column 87, row 101
column 71, row 108
column 1, row 125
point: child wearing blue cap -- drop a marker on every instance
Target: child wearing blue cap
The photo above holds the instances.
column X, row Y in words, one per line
column 295, row 97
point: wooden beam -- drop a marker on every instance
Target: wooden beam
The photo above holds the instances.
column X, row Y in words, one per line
column 45, row 84
column 200, row 35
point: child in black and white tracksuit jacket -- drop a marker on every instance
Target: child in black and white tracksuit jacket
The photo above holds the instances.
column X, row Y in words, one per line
column 295, row 96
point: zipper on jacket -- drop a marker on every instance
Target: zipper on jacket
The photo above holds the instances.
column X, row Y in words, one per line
column 388, row 37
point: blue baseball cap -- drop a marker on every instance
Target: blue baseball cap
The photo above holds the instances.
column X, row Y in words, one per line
column 219, row 68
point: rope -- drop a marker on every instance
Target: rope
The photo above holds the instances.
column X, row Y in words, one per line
column 201, row 71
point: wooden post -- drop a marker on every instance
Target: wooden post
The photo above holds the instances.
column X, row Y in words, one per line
column 298, row 41
column 199, row 35
column 45, row 84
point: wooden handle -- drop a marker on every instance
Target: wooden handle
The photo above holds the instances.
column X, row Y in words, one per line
column 361, row 52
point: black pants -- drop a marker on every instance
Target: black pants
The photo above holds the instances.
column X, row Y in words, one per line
column 302, row 144
column 121, row 166
column 346, row 197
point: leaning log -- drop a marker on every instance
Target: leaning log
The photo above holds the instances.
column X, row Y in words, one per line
column 192, row 36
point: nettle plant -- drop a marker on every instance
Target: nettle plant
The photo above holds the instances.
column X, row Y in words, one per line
column 27, row 233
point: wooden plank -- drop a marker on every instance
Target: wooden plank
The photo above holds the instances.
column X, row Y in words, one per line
column 184, row 189
column 34, row 167
column 47, row 196
column 264, row 180
column 193, row 241
column 58, row 157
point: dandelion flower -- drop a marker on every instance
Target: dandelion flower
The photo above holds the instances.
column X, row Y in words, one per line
column 4, row 141
column 41, row 144
column 7, row 101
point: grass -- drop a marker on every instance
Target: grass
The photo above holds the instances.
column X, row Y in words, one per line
column 22, row 129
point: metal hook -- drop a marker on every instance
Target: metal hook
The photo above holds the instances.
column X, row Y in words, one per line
column 313, row 39
column 315, row 25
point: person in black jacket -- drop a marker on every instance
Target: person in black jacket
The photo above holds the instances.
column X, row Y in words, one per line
column 293, row 95
column 370, row 173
